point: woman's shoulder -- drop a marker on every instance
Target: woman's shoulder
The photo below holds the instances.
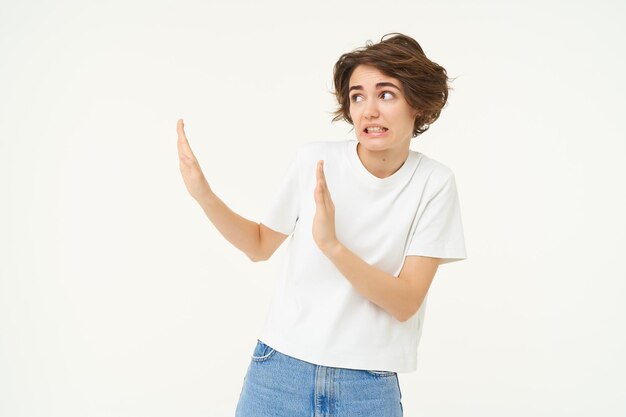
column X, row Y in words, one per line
column 434, row 167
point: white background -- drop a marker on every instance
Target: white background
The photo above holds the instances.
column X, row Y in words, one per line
column 119, row 298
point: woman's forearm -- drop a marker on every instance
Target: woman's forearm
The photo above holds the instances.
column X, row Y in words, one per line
column 244, row 234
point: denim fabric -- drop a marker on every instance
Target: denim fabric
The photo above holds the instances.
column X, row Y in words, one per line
column 278, row 385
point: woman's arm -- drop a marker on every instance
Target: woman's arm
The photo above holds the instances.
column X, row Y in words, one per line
column 401, row 297
column 255, row 240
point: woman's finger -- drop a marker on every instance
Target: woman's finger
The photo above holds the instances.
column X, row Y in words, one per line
column 325, row 192
column 318, row 193
column 319, row 196
column 183, row 144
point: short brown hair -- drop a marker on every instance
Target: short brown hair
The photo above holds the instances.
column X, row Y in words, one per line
column 424, row 82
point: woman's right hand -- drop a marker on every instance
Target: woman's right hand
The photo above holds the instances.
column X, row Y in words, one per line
column 193, row 177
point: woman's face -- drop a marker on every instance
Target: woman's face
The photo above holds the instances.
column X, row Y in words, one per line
column 381, row 116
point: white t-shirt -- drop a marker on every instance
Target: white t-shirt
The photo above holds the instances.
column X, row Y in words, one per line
column 316, row 314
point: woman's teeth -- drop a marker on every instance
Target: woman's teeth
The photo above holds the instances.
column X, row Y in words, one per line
column 375, row 129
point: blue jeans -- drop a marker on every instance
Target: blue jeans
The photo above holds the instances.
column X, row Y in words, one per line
column 277, row 385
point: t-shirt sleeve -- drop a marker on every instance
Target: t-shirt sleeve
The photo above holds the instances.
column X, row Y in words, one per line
column 439, row 230
column 282, row 211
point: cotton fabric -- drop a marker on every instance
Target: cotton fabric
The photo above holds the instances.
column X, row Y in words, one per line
column 316, row 314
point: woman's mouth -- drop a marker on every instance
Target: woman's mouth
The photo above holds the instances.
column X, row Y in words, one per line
column 375, row 130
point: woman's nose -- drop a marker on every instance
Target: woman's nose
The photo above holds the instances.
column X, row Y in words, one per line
column 371, row 109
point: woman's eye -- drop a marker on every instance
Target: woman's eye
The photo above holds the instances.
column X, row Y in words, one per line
column 356, row 98
column 387, row 95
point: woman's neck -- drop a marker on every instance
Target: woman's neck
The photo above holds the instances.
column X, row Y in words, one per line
column 382, row 164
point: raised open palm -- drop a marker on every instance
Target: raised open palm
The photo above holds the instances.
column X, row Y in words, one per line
column 193, row 177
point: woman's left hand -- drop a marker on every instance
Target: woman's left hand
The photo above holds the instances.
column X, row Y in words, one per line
column 324, row 220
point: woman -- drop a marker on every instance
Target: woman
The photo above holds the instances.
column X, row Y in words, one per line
column 370, row 222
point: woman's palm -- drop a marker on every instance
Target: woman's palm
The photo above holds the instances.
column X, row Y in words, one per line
column 193, row 177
